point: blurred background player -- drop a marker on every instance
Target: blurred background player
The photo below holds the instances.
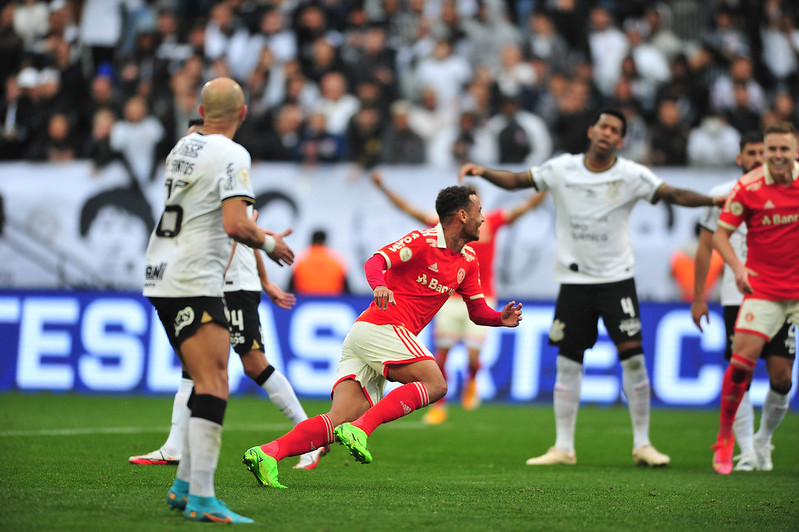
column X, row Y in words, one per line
column 594, row 194
column 452, row 323
column 382, row 344
column 779, row 352
column 245, row 277
column 319, row 270
column 767, row 201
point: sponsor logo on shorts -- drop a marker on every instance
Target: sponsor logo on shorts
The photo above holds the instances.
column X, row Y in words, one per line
column 630, row 326
column 556, row 331
column 184, row 317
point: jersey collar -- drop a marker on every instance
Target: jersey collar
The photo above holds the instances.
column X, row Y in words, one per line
column 441, row 242
column 770, row 180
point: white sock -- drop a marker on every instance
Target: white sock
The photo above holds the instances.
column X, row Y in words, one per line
column 174, row 442
column 283, row 397
column 744, row 425
column 774, row 408
column 184, row 466
column 205, row 440
column 566, row 401
column 635, row 383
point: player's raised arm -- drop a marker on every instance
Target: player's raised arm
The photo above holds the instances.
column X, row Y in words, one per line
column 502, row 178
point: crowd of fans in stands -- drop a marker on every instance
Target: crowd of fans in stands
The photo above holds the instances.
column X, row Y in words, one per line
column 395, row 81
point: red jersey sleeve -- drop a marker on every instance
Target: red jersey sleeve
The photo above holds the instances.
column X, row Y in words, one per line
column 734, row 212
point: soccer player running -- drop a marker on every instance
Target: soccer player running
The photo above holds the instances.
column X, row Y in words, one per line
column 411, row 279
column 452, row 323
column 594, row 194
column 779, row 352
column 767, row 201
column 245, row 277
column 207, row 193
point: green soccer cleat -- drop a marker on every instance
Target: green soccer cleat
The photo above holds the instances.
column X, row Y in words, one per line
column 263, row 466
column 212, row 510
column 178, row 495
column 354, row 439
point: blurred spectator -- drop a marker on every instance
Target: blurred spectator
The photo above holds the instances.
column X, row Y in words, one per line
column 545, row 43
column 276, row 36
column 400, row 143
column 101, row 95
column 56, row 145
column 487, row 33
column 609, row 47
column 479, row 98
column 425, row 118
column 319, row 270
column 16, row 131
column 135, row 137
column 316, row 145
column 780, row 41
column 636, row 140
column 520, row 137
column 446, row 74
column 741, row 72
column 375, row 62
column 740, row 115
column 660, row 35
column 713, row 143
column 687, row 88
column 336, row 103
column 725, row 39
column 310, row 24
column 460, row 143
column 573, row 119
column 12, row 46
column 324, row 60
column 31, row 20
column 101, row 26
column 515, row 77
column 668, row 136
column 784, row 108
column 280, row 142
column 364, row 138
column 98, row 146
column 650, row 62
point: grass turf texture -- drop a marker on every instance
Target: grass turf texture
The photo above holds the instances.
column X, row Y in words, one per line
column 63, row 466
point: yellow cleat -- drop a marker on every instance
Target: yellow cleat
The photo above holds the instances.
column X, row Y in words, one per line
column 436, row 415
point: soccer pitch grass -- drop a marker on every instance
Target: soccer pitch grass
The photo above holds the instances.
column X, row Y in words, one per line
column 63, row 466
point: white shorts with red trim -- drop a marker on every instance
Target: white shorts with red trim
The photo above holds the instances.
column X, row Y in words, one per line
column 369, row 349
column 452, row 325
column 764, row 317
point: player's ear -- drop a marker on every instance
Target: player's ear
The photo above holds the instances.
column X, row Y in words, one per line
column 243, row 112
column 202, row 111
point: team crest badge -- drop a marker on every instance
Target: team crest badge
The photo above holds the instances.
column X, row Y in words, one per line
column 244, row 176
column 613, row 191
column 556, row 331
column 461, row 275
column 183, row 318
column 736, row 208
column 405, row 254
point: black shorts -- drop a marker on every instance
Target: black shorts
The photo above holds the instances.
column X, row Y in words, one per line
column 579, row 307
column 783, row 344
column 182, row 316
column 245, row 325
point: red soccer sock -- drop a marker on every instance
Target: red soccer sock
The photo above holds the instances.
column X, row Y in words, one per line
column 733, row 387
column 307, row 435
column 396, row 404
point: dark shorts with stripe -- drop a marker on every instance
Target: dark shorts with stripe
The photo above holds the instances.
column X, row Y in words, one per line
column 245, row 324
column 783, row 344
column 182, row 316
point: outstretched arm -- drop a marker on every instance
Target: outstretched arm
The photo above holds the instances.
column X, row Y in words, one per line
column 701, row 268
column 686, row 197
column 240, row 227
column 481, row 314
column 501, row 178
column 278, row 296
column 533, row 202
column 401, row 204
column 721, row 241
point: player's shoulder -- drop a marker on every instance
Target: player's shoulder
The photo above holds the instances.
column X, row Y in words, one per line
column 469, row 254
column 722, row 189
column 754, row 179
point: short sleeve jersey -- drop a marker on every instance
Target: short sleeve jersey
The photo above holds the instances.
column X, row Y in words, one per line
column 592, row 220
column 771, row 214
column 730, row 295
column 242, row 273
column 189, row 249
column 422, row 272
column 485, row 249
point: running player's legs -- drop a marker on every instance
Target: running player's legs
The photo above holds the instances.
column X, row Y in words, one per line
column 780, row 353
column 245, row 331
column 619, row 308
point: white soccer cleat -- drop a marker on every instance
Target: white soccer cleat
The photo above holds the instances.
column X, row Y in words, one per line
column 310, row 459
column 746, row 462
column 554, row 456
column 647, row 455
column 159, row 457
column 763, row 452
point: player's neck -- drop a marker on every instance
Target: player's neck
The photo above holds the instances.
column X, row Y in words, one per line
column 598, row 164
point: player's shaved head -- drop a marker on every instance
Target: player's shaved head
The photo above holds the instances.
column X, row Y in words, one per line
column 222, row 100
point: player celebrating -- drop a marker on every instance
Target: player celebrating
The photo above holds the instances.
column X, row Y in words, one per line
column 207, row 193
column 452, row 323
column 422, row 270
column 594, row 194
column 767, row 201
column 779, row 352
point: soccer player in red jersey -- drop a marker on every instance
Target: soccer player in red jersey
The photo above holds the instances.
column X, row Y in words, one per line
column 452, row 323
column 411, row 279
column 767, row 200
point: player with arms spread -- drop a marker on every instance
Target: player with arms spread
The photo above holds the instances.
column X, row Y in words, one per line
column 767, row 201
column 594, row 194
column 779, row 353
column 411, row 279
column 207, row 193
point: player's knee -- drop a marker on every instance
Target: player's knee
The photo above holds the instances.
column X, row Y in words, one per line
column 572, row 354
column 781, row 384
column 629, row 352
column 436, row 389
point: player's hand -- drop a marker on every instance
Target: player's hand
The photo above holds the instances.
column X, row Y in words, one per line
column 384, row 296
column 470, row 169
column 377, row 179
column 742, row 280
column 511, row 314
column 699, row 309
column 282, row 254
column 719, row 201
column 278, row 296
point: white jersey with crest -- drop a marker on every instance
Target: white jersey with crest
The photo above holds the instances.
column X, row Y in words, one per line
column 730, row 295
column 592, row 220
column 189, row 249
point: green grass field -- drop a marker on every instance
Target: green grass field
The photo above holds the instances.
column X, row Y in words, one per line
column 63, row 466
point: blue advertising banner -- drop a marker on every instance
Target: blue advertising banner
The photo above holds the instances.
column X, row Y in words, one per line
column 109, row 342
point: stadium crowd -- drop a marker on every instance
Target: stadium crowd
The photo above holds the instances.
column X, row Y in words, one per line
column 374, row 82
